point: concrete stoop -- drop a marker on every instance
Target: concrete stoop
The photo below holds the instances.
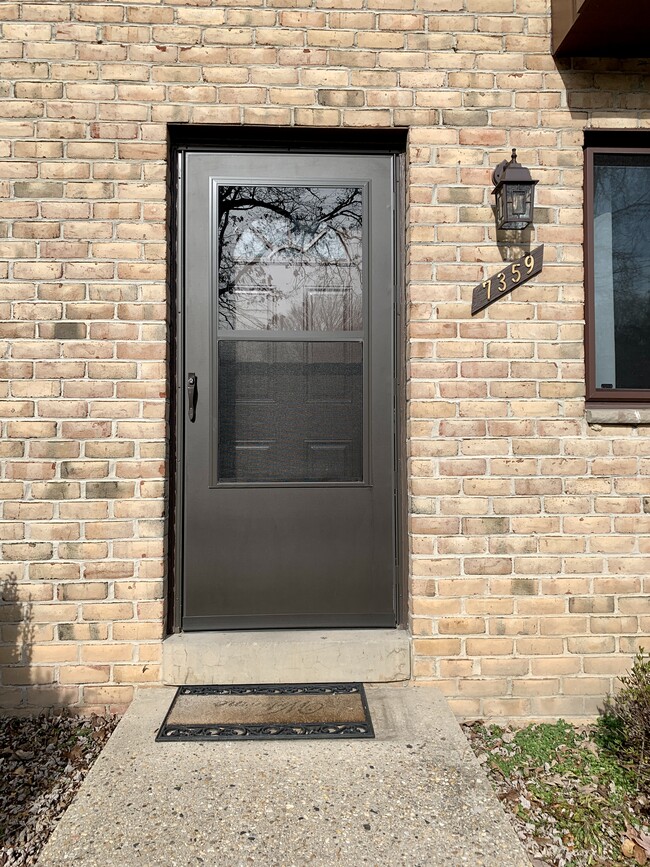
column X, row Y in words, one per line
column 415, row 795
column 287, row 656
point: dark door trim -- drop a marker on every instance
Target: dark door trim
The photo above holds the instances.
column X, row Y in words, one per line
column 183, row 138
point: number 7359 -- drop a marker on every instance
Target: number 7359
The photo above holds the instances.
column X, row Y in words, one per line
column 515, row 276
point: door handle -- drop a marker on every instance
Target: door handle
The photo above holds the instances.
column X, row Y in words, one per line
column 191, row 396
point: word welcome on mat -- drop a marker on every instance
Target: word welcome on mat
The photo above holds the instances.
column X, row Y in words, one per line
column 267, row 712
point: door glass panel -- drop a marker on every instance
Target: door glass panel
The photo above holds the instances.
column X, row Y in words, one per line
column 290, row 258
column 290, row 411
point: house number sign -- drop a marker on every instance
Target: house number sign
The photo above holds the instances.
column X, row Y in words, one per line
column 513, row 275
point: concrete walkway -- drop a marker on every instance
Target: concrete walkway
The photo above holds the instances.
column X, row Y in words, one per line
column 414, row 796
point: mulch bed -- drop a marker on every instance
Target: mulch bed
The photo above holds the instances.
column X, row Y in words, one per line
column 571, row 802
column 43, row 761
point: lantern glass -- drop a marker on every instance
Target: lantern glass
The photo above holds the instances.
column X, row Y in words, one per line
column 501, row 195
column 519, row 206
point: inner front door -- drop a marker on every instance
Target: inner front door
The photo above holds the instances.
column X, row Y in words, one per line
column 288, row 391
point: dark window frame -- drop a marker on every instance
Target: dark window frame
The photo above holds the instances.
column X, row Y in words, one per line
column 594, row 395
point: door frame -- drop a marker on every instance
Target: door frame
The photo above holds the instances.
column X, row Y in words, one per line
column 183, row 138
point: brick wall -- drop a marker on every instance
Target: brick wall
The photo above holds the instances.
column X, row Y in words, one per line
column 528, row 533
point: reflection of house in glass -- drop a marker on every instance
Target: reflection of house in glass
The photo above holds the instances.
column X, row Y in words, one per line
column 290, row 258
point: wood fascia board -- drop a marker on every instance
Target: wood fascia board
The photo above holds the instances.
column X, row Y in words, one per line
column 585, row 28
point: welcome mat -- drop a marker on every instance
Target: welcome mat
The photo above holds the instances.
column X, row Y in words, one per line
column 265, row 711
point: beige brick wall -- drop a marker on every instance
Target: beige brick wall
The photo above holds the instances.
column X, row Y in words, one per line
column 529, row 537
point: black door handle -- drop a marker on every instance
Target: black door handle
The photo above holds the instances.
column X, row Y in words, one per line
column 191, row 396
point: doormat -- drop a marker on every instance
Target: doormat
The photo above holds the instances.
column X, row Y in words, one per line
column 266, row 711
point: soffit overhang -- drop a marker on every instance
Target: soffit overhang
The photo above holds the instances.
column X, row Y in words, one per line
column 601, row 28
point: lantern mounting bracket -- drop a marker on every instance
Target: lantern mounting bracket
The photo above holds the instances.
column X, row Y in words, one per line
column 497, row 174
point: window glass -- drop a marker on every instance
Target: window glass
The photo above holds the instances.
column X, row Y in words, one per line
column 290, row 258
column 621, row 270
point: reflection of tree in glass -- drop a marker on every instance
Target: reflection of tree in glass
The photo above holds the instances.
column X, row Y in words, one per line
column 280, row 247
column 624, row 191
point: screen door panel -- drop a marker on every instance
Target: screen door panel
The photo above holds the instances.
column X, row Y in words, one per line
column 288, row 508
column 290, row 411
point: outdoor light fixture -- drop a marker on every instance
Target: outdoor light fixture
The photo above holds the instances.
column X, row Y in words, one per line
column 514, row 189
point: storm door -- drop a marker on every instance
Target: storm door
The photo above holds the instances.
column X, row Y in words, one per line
column 288, row 447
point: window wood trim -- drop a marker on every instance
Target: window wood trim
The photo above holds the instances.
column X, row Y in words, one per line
column 600, row 396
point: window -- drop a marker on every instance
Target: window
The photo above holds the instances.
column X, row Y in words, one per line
column 618, row 273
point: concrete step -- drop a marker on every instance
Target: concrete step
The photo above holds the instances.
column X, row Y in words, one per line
column 287, row 656
column 413, row 796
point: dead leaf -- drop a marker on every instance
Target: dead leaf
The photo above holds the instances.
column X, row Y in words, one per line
column 75, row 753
column 639, row 838
column 643, row 840
column 636, row 845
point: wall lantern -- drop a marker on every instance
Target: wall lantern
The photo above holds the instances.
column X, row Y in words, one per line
column 514, row 189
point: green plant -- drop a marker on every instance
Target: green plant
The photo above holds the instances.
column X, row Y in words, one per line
column 624, row 723
column 574, row 798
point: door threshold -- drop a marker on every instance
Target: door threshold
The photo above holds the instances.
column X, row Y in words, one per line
column 287, row 656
